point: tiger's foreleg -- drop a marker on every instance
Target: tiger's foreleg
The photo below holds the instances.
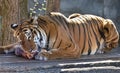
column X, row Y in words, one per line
column 58, row 54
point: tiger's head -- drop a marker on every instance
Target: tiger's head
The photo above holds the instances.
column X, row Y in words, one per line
column 31, row 35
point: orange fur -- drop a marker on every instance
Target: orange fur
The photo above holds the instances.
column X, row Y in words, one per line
column 68, row 37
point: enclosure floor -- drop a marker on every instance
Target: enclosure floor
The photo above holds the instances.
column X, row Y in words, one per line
column 102, row 63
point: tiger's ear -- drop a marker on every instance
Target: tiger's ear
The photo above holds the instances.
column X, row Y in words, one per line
column 31, row 20
column 14, row 26
column 34, row 20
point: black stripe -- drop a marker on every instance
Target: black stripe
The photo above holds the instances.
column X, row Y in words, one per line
column 68, row 46
column 100, row 29
column 68, row 25
column 88, row 32
column 83, row 35
column 59, row 44
column 41, row 37
column 89, row 40
column 76, row 27
column 79, row 31
column 56, row 36
column 97, row 23
column 93, row 26
column 48, row 40
column 89, row 49
column 115, row 38
column 78, row 24
column 63, row 22
column 73, row 29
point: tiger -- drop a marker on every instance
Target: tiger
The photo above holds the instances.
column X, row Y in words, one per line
column 55, row 36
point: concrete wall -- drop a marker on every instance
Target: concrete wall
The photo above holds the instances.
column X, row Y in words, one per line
column 105, row 8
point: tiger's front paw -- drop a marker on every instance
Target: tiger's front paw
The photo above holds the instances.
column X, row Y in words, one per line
column 40, row 56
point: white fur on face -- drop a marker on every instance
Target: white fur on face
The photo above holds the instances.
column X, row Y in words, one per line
column 37, row 38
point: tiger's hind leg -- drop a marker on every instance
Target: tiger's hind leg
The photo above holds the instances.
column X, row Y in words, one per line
column 9, row 48
column 12, row 49
column 111, row 35
column 6, row 49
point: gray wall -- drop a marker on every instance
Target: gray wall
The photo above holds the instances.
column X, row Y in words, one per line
column 104, row 8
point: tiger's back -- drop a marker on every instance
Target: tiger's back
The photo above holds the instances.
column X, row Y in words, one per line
column 92, row 33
